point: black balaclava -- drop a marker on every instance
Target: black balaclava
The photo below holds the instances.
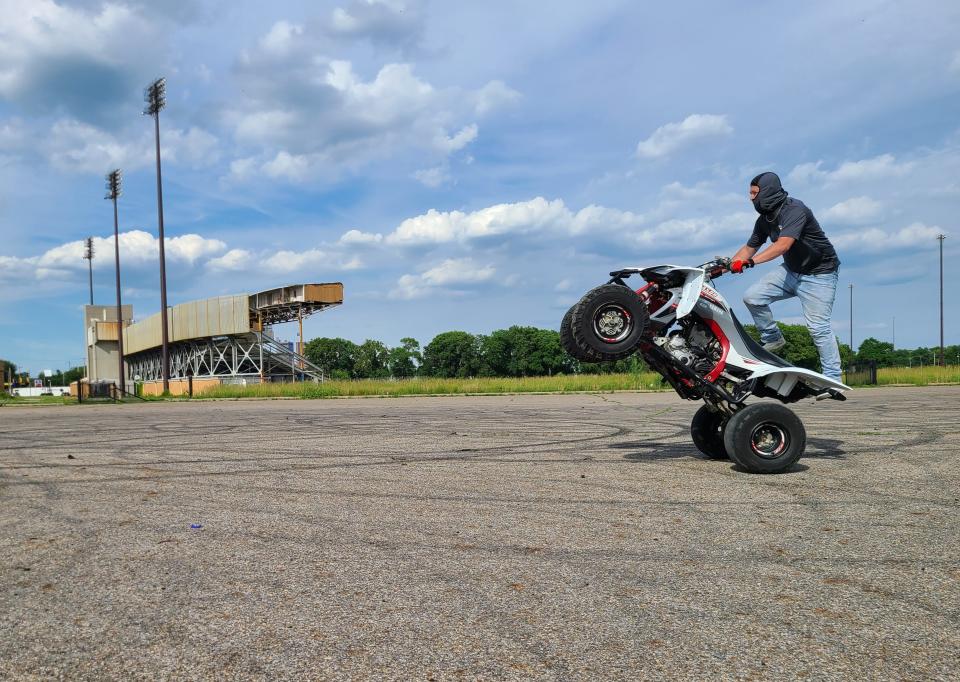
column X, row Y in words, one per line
column 771, row 195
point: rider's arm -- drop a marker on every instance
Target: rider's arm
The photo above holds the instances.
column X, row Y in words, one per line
column 756, row 240
column 775, row 250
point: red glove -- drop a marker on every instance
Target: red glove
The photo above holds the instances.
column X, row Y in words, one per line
column 738, row 266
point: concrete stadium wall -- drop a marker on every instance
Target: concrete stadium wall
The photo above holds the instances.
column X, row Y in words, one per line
column 178, row 386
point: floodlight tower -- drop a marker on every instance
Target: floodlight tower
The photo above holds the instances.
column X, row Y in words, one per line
column 155, row 97
column 88, row 256
column 114, row 180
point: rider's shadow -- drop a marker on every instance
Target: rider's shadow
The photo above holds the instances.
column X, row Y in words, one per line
column 825, row 448
column 651, row 450
column 648, row 450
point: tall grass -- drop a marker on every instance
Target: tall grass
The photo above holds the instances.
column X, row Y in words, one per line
column 918, row 376
column 647, row 381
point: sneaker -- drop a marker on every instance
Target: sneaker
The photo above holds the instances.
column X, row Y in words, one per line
column 774, row 346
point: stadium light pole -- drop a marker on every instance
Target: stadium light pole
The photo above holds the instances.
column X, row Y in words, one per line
column 114, row 180
column 155, row 97
column 88, row 256
column 940, row 238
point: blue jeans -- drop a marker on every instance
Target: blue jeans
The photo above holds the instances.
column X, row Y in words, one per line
column 816, row 294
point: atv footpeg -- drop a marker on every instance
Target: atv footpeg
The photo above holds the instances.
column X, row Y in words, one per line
column 831, row 394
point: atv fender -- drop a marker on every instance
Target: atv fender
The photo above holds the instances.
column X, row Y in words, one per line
column 783, row 380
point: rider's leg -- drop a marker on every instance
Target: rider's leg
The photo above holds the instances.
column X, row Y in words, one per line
column 776, row 285
column 816, row 294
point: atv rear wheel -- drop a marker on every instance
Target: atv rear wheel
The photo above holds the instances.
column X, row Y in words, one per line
column 765, row 438
column 706, row 430
column 569, row 344
column 610, row 322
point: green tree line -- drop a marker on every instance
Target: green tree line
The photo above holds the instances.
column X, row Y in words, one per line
column 530, row 351
column 801, row 351
column 514, row 352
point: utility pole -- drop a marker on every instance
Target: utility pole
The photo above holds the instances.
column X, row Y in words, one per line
column 940, row 238
column 114, row 179
column 155, row 97
column 851, row 320
column 88, row 255
column 894, row 333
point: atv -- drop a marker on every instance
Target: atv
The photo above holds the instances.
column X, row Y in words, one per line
column 685, row 331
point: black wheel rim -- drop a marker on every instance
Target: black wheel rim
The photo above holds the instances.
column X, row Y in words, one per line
column 769, row 440
column 612, row 323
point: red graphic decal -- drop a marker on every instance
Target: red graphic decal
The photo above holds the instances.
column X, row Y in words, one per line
column 710, row 296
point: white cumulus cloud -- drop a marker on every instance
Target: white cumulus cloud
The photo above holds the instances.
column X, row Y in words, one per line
column 914, row 237
column 854, row 211
column 438, row 227
column 232, row 261
column 670, row 137
column 358, row 238
column 494, row 95
column 389, row 22
column 457, row 142
column 303, row 114
column 49, row 47
column 280, row 37
column 75, row 146
column 447, row 275
column 877, row 167
column 433, row 177
column 137, row 250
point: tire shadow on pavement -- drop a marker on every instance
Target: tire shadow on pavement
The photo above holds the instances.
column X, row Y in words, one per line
column 825, row 448
column 654, row 450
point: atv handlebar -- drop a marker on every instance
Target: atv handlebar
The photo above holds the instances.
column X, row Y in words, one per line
column 716, row 267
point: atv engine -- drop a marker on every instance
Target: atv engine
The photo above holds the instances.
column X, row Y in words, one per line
column 693, row 345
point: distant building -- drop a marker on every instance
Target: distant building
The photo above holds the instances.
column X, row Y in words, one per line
column 210, row 341
column 101, row 333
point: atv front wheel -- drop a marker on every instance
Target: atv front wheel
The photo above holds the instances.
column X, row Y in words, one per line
column 570, row 345
column 609, row 321
column 765, row 438
column 706, row 430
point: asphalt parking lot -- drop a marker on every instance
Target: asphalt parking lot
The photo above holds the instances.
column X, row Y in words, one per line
column 515, row 537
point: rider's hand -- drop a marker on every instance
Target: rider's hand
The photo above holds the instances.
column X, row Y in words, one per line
column 738, row 266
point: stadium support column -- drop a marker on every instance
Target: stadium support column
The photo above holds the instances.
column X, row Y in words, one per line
column 260, row 345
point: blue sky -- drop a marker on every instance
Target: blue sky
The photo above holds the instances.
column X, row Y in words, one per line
column 467, row 165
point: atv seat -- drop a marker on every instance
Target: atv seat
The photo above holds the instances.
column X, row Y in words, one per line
column 756, row 350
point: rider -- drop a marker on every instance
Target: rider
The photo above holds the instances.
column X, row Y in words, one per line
column 809, row 270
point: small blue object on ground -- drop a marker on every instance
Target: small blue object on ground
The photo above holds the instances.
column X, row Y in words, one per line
column 196, row 525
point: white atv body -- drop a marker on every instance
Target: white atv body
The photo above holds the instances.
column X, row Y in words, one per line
column 685, row 330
